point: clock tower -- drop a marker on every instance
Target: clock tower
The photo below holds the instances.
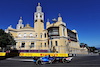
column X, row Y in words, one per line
column 39, row 19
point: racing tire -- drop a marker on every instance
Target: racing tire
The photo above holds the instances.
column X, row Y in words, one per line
column 53, row 61
column 68, row 61
column 50, row 62
column 39, row 62
column 64, row 61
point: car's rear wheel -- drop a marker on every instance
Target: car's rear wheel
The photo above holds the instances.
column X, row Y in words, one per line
column 50, row 61
column 39, row 62
column 68, row 61
column 64, row 60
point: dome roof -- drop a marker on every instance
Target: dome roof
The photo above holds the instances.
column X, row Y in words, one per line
column 74, row 31
column 59, row 18
column 20, row 19
column 28, row 26
column 48, row 23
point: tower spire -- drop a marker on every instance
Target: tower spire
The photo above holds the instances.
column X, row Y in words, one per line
column 59, row 15
column 39, row 8
column 38, row 14
column 20, row 25
column 59, row 18
column 20, row 17
column 47, row 20
column 38, row 4
column 20, row 21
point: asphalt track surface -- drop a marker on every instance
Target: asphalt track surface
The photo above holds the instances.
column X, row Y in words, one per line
column 80, row 61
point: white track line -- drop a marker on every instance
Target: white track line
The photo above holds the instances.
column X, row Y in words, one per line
column 19, row 59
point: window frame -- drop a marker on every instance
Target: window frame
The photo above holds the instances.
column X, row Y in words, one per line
column 44, row 44
column 41, row 44
column 32, row 45
column 56, row 43
column 23, row 43
column 44, row 35
column 24, row 35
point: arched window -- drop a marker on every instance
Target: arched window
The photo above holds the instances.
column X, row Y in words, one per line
column 31, row 35
column 35, row 20
column 24, row 35
column 41, row 35
column 64, row 31
column 19, row 35
column 36, row 35
column 51, row 43
column 41, row 20
column 41, row 16
column 23, row 44
column 44, row 35
column 32, row 44
column 45, row 45
column 56, row 43
column 41, row 44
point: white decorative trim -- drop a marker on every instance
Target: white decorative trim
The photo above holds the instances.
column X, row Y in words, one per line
column 62, row 31
column 61, row 22
column 34, row 44
column 65, row 32
column 39, row 12
column 20, row 43
column 77, row 36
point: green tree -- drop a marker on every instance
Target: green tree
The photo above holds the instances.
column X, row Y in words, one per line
column 92, row 49
column 82, row 44
column 86, row 46
column 6, row 39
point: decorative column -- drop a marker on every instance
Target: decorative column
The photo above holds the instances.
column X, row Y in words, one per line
column 25, row 44
column 66, row 32
column 62, row 31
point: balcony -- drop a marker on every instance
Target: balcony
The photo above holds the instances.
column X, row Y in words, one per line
column 25, row 37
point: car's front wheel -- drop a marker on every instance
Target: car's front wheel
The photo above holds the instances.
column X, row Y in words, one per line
column 39, row 62
column 64, row 60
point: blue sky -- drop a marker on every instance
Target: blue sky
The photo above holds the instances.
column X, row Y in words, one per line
column 82, row 15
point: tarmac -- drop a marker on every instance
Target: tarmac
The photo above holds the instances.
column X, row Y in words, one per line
column 78, row 61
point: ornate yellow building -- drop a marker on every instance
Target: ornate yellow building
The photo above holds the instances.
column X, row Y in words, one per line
column 56, row 37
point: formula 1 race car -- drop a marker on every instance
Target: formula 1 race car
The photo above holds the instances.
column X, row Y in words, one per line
column 50, row 60
column 43, row 60
column 68, row 59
